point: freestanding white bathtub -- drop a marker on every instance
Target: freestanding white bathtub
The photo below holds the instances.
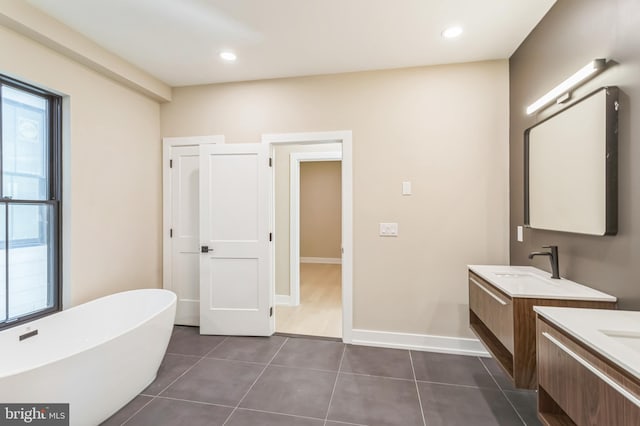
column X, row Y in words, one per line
column 96, row 356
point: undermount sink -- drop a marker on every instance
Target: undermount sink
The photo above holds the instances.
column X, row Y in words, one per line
column 629, row 338
column 526, row 276
column 508, row 275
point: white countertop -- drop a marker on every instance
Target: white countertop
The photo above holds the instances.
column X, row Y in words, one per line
column 613, row 334
column 534, row 283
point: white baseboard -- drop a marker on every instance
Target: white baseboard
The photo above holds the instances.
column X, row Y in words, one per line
column 331, row 260
column 283, row 299
column 420, row 342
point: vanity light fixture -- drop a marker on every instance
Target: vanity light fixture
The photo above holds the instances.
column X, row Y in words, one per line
column 228, row 56
column 562, row 89
column 452, row 32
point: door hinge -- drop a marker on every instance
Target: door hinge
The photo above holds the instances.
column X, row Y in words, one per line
column 171, row 233
column 270, row 236
column 271, row 311
column 270, row 162
column 171, row 164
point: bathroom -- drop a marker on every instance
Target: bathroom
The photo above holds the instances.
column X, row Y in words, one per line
column 453, row 129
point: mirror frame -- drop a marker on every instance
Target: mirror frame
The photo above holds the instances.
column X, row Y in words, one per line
column 611, row 164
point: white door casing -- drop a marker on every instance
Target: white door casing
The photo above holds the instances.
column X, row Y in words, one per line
column 345, row 138
column 235, row 296
column 181, row 240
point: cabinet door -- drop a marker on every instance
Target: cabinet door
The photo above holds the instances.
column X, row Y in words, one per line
column 631, row 408
column 582, row 385
column 493, row 308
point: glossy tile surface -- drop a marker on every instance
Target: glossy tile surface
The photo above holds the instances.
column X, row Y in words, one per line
column 287, row 381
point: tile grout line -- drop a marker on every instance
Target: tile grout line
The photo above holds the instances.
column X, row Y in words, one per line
column 502, row 391
column 236, row 360
column 137, row 411
column 255, row 381
column 253, row 409
column 456, row 385
column 415, row 380
column 190, row 368
column 373, row 375
column 194, row 401
column 335, row 384
column 176, row 379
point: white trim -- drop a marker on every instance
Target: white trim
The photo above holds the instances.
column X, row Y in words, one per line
column 345, row 138
column 295, row 158
column 420, row 342
column 283, row 299
column 329, row 260
column 167, row 220
column 67, row 222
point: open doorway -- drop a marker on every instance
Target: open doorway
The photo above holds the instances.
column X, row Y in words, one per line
column 315, row 306
column 280, row 282
column 308, row 270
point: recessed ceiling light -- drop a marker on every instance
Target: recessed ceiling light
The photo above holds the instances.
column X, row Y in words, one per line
column 228, row 56
column 452, row 32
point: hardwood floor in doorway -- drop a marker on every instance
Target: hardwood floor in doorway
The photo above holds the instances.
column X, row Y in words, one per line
column 320, row 309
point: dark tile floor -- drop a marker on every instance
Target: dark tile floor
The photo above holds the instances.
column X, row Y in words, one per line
column 238, row 381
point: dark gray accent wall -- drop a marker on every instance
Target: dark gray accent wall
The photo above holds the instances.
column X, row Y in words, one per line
column 570, row 35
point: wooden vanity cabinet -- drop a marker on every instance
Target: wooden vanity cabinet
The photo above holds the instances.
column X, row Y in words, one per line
column 507, row 326
column 579, row 387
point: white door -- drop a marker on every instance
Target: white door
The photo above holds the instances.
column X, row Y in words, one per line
column 184, row 233
column 235, row 296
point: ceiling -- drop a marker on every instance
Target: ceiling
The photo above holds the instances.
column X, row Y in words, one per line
column 178, row 41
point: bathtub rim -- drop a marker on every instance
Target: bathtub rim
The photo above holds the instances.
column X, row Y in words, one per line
column 52, row 360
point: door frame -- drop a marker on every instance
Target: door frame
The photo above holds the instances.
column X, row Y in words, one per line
column 167, row 197
column 345, row 138
column 294, row 214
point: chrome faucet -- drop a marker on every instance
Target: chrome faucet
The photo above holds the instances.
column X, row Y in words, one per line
column 553, row 258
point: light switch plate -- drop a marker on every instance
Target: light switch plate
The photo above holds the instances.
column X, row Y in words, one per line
column 388, row 229
column 520, row 234
column 406, row 188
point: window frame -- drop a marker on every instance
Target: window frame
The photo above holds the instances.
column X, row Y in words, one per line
column 53, row 199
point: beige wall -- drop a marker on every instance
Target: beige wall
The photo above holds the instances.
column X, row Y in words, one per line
column 281, row 155
column 112, row 182
column 320, row 209
column 445, row 128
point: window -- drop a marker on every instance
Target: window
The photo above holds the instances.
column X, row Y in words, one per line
column 30, row 196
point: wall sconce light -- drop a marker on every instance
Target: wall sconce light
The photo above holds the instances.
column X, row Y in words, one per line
column 561, row 91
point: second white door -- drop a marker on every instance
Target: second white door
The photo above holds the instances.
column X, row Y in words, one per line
column 235, row 294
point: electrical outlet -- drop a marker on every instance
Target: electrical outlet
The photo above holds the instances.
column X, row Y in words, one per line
column 520, row 233
column 388, row 229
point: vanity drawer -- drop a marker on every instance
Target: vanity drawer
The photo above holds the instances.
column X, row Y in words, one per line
column 493, row 308
column 586, row 389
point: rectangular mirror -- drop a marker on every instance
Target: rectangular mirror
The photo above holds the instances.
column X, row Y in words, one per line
column 571, row 167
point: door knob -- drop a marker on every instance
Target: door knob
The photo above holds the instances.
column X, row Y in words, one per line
column 205, row 249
